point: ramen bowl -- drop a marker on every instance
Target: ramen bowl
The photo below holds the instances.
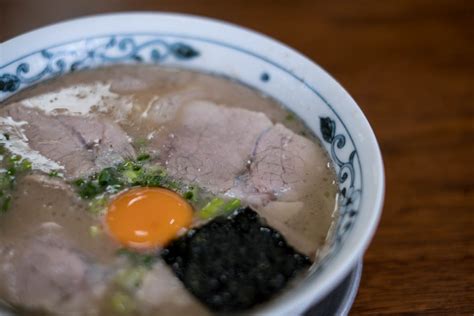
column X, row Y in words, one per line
column 211, row 46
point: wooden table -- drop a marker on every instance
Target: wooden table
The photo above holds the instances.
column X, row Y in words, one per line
column 410, row 66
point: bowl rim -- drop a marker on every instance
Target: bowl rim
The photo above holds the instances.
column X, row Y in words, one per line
column 305, row 295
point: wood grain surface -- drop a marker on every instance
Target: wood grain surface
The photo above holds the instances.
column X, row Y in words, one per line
column 410, row 66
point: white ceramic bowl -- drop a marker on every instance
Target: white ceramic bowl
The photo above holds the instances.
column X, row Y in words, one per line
column 256, row 60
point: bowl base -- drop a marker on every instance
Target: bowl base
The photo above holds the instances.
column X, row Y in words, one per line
column 340, row 300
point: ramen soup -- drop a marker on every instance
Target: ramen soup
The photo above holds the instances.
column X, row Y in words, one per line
column 141, row 190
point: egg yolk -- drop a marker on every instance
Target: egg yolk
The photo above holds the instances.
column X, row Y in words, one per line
column 147, row 217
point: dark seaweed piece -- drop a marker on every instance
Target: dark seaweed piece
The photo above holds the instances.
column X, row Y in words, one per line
column 328, row 128
column 233, row 263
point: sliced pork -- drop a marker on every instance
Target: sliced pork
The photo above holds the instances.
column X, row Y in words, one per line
column 211, row 145
column 44, row 272
column 80, row 144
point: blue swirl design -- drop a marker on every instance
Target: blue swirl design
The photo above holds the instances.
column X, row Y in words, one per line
column 9, row 83
column 350, row 195
column 114, row 50
column 133, row 48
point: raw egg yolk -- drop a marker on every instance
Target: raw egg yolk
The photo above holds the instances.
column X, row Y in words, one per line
column 147, row 217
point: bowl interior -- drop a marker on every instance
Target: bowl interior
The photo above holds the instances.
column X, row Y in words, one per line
column 255, row 60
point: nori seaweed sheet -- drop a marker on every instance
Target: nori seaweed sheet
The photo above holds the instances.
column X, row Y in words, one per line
column 233, row 263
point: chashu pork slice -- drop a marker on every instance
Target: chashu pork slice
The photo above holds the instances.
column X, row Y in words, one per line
column 210, row 145
column 79, row 144
column 45, row 272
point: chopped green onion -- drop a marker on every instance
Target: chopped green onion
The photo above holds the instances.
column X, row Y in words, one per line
column 192, row 194
column 211, row 209
column 231, row 206
column 5, row 181
column 130, row 278
column 14, row 158
column 97, row 205
column 145, row 260
column 5, row 203
column 12, row 165
column 130, row 176
column 94, row 231
column 188, row 195
column 218, row 206
column 25, row 165
column 108, row 176
column 53, row 174
column 140, row 143
column 143, row 157
column 87, row 190
column 122, row 303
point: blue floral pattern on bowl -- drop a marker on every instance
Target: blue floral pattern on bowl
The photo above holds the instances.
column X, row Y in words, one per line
column 153, row 49
column 114, row 50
